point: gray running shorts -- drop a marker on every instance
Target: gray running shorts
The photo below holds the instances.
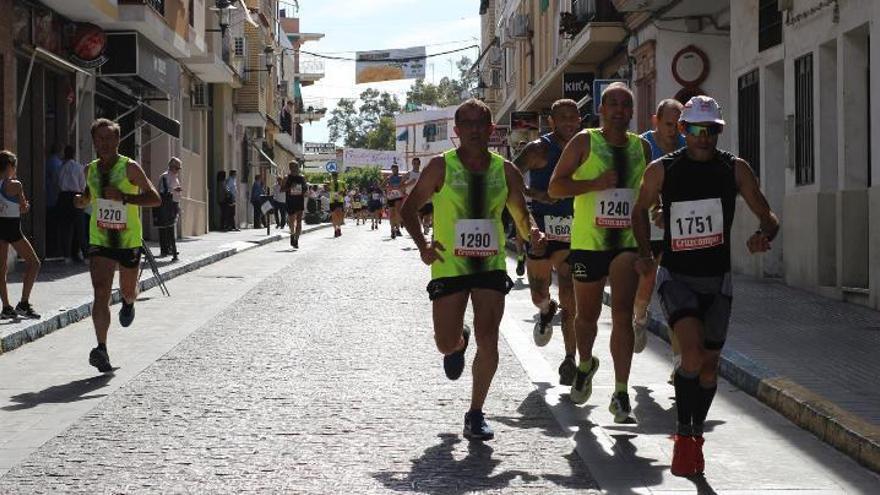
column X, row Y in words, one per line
column 706, row 298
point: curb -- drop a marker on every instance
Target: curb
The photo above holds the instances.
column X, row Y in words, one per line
column 82, row 311
column 833, row 425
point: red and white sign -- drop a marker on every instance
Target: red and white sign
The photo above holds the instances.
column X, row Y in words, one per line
column 613, row 208
column 696, row 224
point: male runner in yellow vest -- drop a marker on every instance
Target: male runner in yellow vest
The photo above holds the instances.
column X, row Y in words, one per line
column 117, row 188
column 602, row 169
column 469, row 187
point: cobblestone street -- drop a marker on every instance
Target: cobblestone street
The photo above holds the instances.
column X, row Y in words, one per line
column 315, row 372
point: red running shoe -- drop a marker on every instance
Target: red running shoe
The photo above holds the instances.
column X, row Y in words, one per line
column 684, row 456
column 699, row 462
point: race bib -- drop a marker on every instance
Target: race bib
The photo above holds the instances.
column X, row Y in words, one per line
column 613, row 208
column 477, row 238
column 394, row 194
column 557, row 228
column 296, row 190
column 112, row 215
column 376, row 196
column 696, row 224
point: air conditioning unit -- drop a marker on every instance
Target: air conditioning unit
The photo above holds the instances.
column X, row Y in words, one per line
column 198, row 95
column 506, row 41
column 584, row 10
column 520, row 27
column 496, row 56
column 259, row 133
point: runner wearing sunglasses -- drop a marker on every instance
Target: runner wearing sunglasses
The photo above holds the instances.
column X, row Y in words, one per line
column 697, row 188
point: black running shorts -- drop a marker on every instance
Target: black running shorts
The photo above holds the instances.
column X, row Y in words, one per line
column 128, row 258
column 592, row 266
column 552, row 247
column 705, row 298
column 494, row 280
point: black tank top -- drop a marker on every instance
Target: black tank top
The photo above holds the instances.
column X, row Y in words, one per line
column 696, row 240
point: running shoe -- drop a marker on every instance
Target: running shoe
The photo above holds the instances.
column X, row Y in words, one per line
column 99, row 359
column 699, row 461
column 520, row 266
column 476, row 428
column 295, row 242
column 426, row 229
column 393, row 234
column 8, row 313
column 684, row 456
column 544, row 326
column 567, row 371
column 126, row 313
column 621, row 409
column 25, row 309
column 582, row 387
column 453, row 364
column 640, row 334
column 292, row 242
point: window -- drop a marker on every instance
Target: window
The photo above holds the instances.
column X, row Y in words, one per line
column 769, row 25
column 239, row 46
column 803, row 120
column 749, row 120
column 435, row 131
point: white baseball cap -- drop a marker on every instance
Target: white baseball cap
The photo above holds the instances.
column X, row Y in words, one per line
column 701, row 108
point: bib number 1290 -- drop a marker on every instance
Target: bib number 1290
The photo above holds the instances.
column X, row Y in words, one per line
column 476, row 238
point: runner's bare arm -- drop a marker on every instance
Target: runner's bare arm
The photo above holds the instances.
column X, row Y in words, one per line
column 516, row 202
column 429, row 182
column 649, row 195
column 148, row 196
column 18, row 190
column 757, row 202
column 533, row 156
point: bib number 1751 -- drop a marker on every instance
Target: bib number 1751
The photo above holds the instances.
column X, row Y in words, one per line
column 696, row 224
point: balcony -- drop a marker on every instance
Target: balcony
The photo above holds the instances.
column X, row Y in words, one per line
column 310, row 70
column 147, row 17
column 309, row 110
column 94, row 11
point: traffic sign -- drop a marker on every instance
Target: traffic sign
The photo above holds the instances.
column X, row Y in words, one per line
column 330, row 167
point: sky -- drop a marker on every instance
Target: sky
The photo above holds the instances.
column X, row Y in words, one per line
column 353, row 25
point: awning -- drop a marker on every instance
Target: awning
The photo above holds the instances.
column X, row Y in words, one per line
column 266, row 157
column 159, row 121
column 51, row 58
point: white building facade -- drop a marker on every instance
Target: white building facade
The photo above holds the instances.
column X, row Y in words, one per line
column 425, row 134
column 801, row 77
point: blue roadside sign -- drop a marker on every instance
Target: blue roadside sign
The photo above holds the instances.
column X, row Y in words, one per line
column 330, row 167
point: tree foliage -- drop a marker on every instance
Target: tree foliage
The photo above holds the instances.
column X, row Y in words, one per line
column 352, row 178
column 447, row 92
column 368, row 125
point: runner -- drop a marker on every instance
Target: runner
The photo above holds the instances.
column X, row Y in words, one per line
column 374, row 205
column 698, row 186
column 336, row 203
column 470, row 187
column 295, row 188
column 357, row 206
column 394, row 195
column 13, row 204
column 664, row 138
column 427, row 210
column 602, row 169
column 553, row 217
column 117, row 188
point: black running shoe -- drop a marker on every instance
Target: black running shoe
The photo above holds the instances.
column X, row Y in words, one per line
column 567, row 371
column 476, row 428
column 126, row 314
column 292, row 242
column 25, row 309
column 453, row 364
column 520, row 266
column 544, row 326
column 99, row 359
column 295, row 242
column 8, row 313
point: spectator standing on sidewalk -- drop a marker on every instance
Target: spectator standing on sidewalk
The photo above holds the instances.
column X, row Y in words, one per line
column 169, row 191
column 257, row 191
column 71, row 181
column 697, row 187
column 53, row 168
column 231, row 189
column 279, row 199
column 12, row 205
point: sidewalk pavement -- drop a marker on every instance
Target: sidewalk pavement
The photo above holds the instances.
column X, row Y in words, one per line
column 63, row 293
column 812, row 359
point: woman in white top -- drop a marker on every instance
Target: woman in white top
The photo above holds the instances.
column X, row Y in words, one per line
column 279, row 203
column 12, row 205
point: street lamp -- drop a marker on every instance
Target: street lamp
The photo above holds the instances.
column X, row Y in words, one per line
column 268, row 60
column 480, row 90
column 222, row 8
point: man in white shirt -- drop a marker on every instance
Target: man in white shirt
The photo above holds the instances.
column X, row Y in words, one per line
column 169, row 190
column 71, row 181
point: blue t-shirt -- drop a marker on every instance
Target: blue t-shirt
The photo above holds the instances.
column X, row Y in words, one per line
column 656, row 152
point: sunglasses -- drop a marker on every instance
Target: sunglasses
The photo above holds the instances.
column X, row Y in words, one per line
column 703, row 130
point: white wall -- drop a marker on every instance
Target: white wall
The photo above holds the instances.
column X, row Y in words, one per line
column 416, row 145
